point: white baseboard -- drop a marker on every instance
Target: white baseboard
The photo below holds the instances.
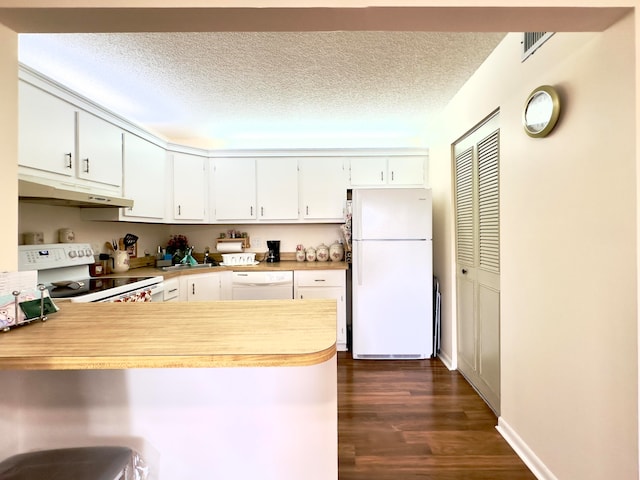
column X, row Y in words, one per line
column 527, row 455
column 444, row 358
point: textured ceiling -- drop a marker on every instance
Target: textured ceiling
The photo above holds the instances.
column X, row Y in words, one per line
column 267, row 90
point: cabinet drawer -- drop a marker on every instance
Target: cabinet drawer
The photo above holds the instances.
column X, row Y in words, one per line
column 171, row 290
column 320, row 278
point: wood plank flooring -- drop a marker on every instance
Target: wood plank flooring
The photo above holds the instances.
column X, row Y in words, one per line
column 413, row 420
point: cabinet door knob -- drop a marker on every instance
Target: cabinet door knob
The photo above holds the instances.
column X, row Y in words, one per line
column 464, row 271
column 69, row 162
column 86, row 165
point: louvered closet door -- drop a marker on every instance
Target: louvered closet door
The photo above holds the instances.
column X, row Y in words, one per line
column 477, row 199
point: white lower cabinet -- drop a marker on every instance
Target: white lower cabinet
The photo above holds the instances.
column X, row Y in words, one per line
column 309, row 284
column 171, row 290
column 205, row 287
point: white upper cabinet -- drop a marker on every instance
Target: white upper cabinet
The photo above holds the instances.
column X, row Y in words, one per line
column 406, row 170
column 368, row 171
column 60, row 142
column 99, row 150
column 323, row 189
column 46, row 131
column 234, row 189
column 144, row 178
column 189, row 187
column 277, row 185
column 388, row 171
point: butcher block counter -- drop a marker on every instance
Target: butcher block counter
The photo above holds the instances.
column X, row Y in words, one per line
column 167, row 335
column 233, row 390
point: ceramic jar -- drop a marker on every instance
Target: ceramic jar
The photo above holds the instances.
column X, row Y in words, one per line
column 322, row 253
column 300, row 254
column 120, row 261
column 311, row 254
column 336, row 252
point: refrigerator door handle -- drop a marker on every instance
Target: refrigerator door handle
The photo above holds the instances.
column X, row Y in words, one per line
column 357, row 216
column 359, row 264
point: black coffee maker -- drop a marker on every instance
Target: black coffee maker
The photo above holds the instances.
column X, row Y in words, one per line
column 274, row 251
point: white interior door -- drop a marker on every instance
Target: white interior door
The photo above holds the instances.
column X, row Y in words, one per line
column 477, row 198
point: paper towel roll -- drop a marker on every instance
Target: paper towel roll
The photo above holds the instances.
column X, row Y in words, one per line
column 229, row 247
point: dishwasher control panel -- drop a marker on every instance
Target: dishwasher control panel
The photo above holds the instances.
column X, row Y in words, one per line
column 267, row 285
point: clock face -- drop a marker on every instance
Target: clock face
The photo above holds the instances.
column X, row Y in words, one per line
column 541, row 111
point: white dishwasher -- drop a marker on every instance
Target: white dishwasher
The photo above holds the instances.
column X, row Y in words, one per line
column 267, row 285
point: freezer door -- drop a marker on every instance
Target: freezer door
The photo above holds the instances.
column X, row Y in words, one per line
column 392, row 300
column 400, row 213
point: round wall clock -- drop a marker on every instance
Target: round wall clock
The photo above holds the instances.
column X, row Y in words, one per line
column 541, row 111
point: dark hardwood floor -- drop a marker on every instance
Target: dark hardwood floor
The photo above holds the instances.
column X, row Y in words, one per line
column 409, row 420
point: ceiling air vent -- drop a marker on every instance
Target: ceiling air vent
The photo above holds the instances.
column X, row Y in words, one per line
column 531, row 41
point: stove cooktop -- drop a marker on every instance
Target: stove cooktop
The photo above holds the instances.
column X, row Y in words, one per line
column 94, row 285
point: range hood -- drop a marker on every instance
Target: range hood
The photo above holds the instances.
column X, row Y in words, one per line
column 34, row 192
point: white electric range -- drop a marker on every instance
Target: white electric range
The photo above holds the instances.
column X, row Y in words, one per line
column 64, row 269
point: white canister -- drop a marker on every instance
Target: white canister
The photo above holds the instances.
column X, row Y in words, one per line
column 66, row 235
column 33, row 238
column 120, row 261
column 336, row 252
column 322, row 253
column 311, row 254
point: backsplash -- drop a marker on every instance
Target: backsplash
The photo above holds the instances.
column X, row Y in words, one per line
column 49, row 219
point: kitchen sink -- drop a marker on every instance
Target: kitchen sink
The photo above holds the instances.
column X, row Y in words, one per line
column 185, row 266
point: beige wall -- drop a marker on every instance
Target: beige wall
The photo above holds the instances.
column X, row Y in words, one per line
column 568, row 248
column 9, row 149
column 48, row 219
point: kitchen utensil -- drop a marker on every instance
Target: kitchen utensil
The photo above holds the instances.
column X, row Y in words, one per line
column 114, row 244
column 130, row 239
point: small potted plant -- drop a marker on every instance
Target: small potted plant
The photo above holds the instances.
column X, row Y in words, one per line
column 176, row 247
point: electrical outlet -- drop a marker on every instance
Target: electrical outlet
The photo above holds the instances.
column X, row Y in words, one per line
column 256, row 242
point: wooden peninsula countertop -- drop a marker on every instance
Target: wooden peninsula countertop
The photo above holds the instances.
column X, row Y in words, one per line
column 85, row 336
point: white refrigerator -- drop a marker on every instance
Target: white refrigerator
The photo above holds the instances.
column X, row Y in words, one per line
column 392, row 277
